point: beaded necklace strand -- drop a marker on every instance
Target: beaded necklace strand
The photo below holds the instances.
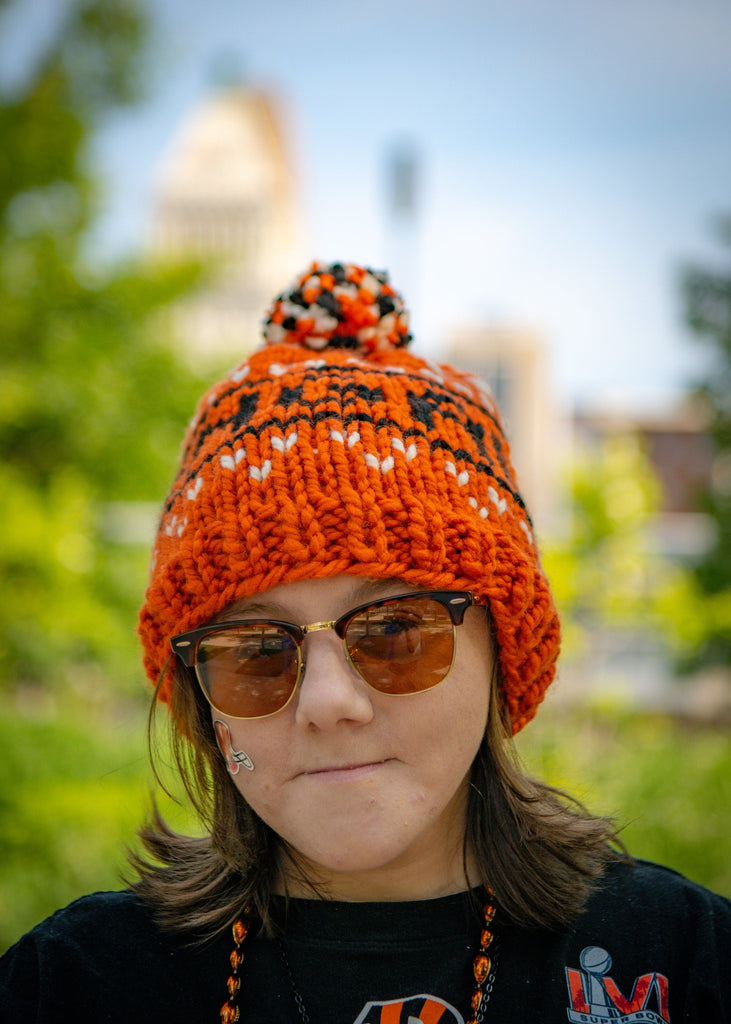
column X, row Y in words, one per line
column 483, row 969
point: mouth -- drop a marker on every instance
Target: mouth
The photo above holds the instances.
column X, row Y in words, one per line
column 344, row 772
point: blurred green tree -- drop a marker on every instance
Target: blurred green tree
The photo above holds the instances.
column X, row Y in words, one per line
column 93, row 395
column 603, row 572
column 707, row 294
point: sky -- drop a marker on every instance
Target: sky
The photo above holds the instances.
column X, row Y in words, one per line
column 573, row 156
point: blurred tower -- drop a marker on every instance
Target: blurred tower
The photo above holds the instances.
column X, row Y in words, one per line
column 225, row 195
column 401, row 248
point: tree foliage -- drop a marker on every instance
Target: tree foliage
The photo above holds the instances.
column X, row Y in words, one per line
column 93, row 396
column 605, row 571
column 707, row 294
column 602, row 572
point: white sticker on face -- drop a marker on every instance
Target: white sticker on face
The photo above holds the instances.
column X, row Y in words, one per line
column 234, row 758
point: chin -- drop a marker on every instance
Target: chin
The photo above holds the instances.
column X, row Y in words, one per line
column 350, row 858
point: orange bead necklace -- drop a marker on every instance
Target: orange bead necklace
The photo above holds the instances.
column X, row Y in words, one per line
column 483, row 969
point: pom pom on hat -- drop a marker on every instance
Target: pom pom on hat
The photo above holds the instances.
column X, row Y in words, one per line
column 339, row 305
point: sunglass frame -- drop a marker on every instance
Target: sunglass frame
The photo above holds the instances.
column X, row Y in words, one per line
column 185, row 645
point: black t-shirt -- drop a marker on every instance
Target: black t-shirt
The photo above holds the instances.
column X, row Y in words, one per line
column 650, row 947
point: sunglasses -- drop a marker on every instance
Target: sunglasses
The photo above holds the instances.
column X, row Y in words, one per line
column 250, row 668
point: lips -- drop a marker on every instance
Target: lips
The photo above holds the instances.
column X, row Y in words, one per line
column 348, row 769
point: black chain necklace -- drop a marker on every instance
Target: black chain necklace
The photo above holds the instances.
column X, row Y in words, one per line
column 483, row 970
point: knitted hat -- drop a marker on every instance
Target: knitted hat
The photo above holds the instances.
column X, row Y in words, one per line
column 334, row 450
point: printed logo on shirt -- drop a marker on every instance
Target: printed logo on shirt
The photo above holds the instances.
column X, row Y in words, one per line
column 413, row 1010
column 596, row 999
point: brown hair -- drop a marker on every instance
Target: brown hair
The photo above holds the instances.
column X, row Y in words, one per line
column 540, row 851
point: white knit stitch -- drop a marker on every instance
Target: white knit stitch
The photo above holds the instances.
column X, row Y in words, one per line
column 323, row 322
column 433, row 376
column 335, row 435
column 363, row 365
column 231, row 462
column 176, row 526
column 411, row 452
column 499, row 503
column 463, row 478
column 434, row 371
column 288, row 308
column 459, row 386
column 387, row 323
column 369, row 282
column 238, row 375
column 274, row 333
column 371, row 460
column 193, row 492
column 397, row 443
column 387, row 464
column 482, row 511
column 261, row 474
column 281, row 444
column 353, row 438
column 449, row 467
column 526, row 530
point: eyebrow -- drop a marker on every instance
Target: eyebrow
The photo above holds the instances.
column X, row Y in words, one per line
column 257, row 604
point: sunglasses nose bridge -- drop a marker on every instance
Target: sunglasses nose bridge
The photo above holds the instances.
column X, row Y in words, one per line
column 316, row 627
column 338, row 626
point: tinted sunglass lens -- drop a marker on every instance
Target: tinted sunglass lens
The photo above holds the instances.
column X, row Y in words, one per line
column 248, row 672
column 402, row 646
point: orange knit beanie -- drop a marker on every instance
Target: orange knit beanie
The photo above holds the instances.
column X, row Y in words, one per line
column 333, row 450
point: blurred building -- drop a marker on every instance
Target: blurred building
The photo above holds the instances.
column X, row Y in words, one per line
column 513, row 363
column 225, row 193
column 681, row 453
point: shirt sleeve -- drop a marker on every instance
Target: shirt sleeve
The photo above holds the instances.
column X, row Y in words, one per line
column 20, row 983
column 709, row 952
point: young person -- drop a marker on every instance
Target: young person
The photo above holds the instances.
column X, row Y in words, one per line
column 348, row 620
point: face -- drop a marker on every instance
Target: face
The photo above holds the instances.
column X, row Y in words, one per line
column 368, row 790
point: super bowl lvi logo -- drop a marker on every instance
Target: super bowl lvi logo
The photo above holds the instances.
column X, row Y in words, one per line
column 596, row 998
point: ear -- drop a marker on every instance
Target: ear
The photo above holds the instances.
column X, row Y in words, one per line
column 233, row 758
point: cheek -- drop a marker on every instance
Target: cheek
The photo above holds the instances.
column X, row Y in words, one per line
column 440, row 733
column 267, row 789
column 461, row 727
column 458, row 723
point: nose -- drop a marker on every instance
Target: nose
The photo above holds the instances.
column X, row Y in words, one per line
column 330, row 691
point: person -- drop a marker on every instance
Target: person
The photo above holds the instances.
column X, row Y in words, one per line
column 348, row 620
